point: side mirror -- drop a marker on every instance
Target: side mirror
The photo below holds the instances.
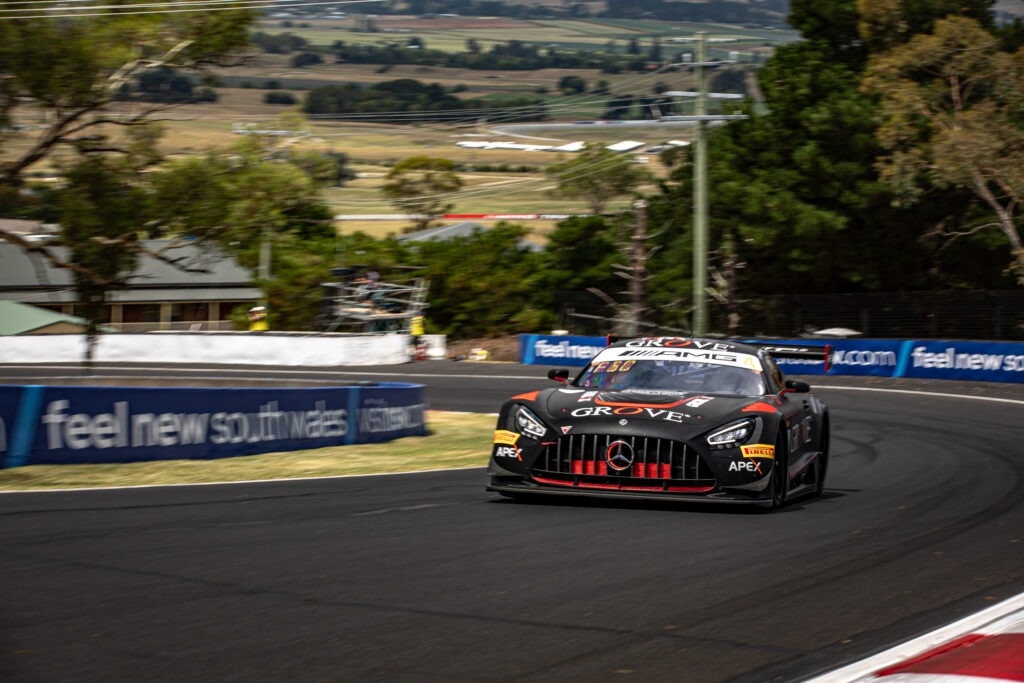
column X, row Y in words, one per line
column 559, row 376
column 798, row 386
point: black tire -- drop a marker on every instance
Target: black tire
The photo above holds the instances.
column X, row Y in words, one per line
column 780, row 472
column 821, row 466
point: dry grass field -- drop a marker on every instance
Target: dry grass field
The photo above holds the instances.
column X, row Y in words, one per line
column 374, row 146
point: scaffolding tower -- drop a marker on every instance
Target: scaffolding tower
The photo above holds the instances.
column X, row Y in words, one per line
column 359, row 302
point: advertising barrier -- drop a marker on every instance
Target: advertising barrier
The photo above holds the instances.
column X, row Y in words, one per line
column 990, row 362
column 958, row 360
column 552, row 349
column 77, row 424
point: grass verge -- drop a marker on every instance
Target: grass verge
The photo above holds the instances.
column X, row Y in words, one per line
column 455, row 440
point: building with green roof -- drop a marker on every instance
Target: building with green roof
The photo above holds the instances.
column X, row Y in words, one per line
column 18, row 318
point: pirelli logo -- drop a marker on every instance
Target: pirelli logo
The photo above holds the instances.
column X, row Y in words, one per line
column 505, row 438
column 759, row 450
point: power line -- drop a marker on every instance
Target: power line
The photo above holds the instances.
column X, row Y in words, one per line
column 67, row 12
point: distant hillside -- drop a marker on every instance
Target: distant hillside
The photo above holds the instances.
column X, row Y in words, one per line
column 743, row 12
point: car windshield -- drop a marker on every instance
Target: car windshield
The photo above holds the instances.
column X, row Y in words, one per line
column 660, row 376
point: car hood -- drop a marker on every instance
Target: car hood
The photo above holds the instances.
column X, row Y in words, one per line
column 576, row 406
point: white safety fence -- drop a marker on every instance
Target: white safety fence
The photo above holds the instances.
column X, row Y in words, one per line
column 244, row 348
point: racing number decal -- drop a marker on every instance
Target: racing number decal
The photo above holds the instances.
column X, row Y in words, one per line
column 799, row 434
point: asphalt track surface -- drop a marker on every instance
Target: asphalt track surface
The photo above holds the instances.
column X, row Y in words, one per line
column 427, row 577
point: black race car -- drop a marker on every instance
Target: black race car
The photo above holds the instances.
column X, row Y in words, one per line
column 668, row 418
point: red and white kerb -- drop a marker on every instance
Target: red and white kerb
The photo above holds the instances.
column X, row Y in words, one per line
column 973, row 650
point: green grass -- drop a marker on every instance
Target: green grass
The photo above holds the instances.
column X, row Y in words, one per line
column 455, row 440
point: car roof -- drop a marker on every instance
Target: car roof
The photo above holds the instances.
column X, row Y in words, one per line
column 684, row 343
column 714, row 351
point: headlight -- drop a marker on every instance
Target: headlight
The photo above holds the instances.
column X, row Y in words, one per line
column 529, row 424
column 732, row 435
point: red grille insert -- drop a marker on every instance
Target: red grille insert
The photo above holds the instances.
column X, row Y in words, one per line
column 640, row 463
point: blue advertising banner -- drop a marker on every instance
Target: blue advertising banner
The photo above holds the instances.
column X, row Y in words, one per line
column 978, row 361
column 961, row 360
column 10, row 397
column 878, row 357
column 552, row 349
column 389, row 411
column 58, row 425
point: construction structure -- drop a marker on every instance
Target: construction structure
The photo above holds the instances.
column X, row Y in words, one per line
column 359, row 302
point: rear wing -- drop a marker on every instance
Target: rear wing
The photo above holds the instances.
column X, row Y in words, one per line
column 798, row 352
column 787, row 351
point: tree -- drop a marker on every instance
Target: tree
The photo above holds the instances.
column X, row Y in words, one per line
column 794, row 191
column 572, row 85
column 597, row 175
column 482, row 284
column 257, row 200
column 69, row 73
column 884, row 24
column 100, row 204
column 952, row 105
column 422, row 186
column 72, row 70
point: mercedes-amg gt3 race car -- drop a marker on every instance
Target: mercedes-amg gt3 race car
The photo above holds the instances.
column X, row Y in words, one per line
column 668, row 418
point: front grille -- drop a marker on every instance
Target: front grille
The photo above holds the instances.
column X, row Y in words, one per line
column 582, row 460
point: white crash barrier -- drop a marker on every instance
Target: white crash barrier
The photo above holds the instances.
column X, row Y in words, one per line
column 241, row 348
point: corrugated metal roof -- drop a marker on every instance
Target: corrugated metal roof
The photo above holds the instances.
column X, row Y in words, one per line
column 29, row 277
column 447, row 232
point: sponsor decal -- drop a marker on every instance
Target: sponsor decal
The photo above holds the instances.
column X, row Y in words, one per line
column 750, row 454
column 566, row 429
column 745, row 466
column 760, row 450
column 696, row 355
column 632, row 410
column 678, row 343
column 505, row 437
column 697, row 401
column 587, row 396
column 507, row 452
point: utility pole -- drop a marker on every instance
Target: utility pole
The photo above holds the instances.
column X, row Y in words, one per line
column 638, row 279
column 700, row 64
column 700, row 195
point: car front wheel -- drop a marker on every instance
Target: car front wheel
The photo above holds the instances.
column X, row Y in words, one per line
column 780, row 472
